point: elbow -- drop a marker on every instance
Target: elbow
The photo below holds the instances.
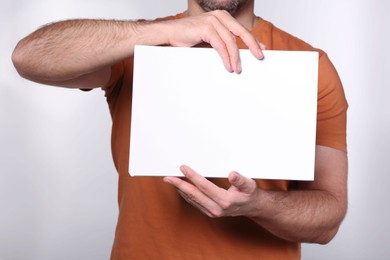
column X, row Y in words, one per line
column 330, row 230
column 326, row 234
column 19, row 59
column 24, row 61
column 325, row 237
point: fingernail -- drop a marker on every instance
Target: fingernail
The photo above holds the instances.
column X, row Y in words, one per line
column 229, row 69
column 234, row 176
column 261, row 55
column 238, row 66
column 183, row 169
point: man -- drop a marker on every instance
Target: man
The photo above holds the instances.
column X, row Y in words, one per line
column 237, row 218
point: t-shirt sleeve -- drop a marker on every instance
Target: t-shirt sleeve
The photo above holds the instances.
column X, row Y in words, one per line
column 331, row 108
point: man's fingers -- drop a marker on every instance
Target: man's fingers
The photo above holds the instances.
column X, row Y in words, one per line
column 211, row 199
column 230, row 43
column 262, row 46
column 241, row 183
column 238, row 30
column 208, row 188
column 220, row 30
column 195, row 203
column 221, row 39
column 229, row 40
column 214, row 39
column 253, row 45
column 192, row 195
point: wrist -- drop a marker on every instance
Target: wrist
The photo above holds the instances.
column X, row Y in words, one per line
column 264, row 206
column 150, row 33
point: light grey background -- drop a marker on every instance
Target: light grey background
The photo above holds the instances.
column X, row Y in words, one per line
column 58, row 185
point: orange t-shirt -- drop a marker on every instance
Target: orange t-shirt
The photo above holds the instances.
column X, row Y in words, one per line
column 156, row 223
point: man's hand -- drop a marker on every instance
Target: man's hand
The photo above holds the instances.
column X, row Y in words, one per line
column 311, row 213
column 219, row 29
column 213, row 200
column 65, row 53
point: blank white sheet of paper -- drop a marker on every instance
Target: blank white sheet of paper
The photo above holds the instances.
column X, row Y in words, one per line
column 187, row 109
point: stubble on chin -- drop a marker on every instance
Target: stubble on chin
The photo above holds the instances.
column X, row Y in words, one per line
column 231, row 6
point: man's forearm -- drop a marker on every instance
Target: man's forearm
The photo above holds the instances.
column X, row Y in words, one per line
column 312, row 216
column 312, row 213
column 75, row 52
column 70, row 49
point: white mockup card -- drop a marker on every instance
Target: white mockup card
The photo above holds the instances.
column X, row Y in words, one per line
column 187, row 109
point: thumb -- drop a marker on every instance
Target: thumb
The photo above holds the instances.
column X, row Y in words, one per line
column 242, row 183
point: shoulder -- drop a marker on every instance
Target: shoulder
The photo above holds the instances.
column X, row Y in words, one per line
column 278, row 39
column 332, row 104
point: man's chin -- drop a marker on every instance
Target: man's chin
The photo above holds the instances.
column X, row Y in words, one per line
column 231, row 6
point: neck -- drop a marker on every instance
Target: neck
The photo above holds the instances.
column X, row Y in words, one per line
column 245, row 15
